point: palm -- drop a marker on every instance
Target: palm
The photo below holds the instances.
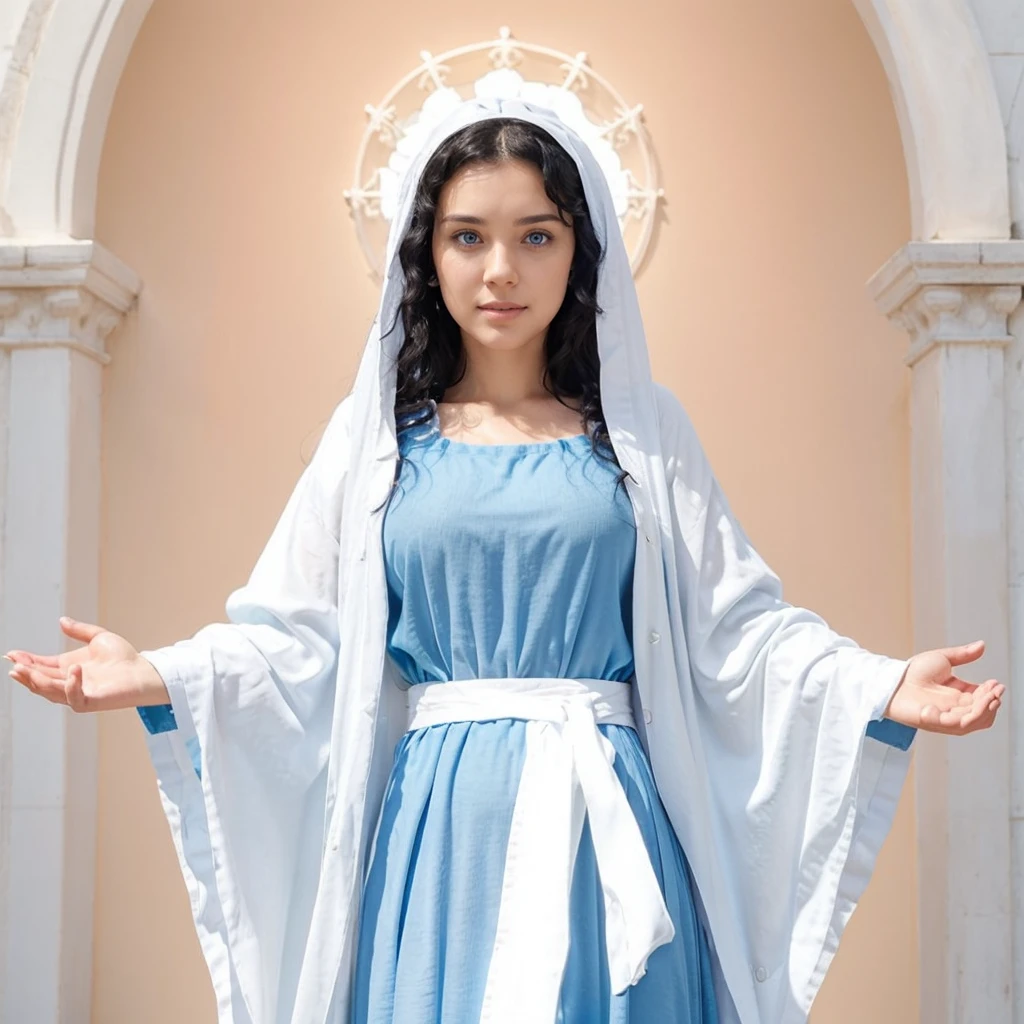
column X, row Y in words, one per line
column 932, row 697
column 108, row 673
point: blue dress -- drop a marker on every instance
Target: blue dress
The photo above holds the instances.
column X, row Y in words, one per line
column 506, row 560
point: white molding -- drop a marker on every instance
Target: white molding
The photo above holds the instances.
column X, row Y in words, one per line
column 68, row 294
column 945, row 292
column 990, row 262
column 69, row 261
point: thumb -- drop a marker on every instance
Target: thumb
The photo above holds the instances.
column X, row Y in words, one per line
column 82, row 631
column 965, row 653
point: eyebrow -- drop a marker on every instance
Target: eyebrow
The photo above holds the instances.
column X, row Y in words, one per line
column 538, row 218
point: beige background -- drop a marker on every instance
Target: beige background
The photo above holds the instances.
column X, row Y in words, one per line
column 221, row 185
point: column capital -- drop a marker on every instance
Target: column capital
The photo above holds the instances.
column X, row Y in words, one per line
column 65, row 293
column 951, row 292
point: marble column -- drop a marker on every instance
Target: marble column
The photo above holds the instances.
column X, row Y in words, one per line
column 59, row 303
column 954, row 300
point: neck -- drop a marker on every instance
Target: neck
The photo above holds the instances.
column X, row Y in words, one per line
column 500, row 378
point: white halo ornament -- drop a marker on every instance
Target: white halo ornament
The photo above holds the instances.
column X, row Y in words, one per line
column 504, row 69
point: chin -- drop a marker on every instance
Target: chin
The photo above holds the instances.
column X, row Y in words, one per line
column 502, row 336
column 498, row 339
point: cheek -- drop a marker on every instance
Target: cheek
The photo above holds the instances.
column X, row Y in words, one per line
column 456, row 274
column 552, row 277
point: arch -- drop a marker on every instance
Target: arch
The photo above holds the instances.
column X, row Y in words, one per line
column 932, row 52
column 54, row 110
column 954, row 143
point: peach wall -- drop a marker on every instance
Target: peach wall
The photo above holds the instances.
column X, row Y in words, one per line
column 232, row 136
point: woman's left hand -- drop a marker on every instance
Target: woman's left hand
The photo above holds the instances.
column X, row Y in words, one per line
column 931, row 697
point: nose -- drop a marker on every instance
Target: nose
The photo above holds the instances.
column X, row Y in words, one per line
column 500, row 266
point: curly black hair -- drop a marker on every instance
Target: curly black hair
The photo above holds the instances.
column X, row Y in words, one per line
column 432, row 358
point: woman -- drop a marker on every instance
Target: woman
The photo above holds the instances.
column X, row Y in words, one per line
column 413, row 777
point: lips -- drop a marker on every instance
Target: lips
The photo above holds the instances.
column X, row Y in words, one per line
column 501, row 313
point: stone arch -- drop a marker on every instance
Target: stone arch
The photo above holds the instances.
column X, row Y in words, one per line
column 949, row 118
column 55, row 102
column 57, row 93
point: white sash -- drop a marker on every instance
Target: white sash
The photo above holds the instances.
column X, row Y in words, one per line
column 567, row 774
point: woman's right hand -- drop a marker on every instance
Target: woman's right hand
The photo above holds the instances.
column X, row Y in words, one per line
column 105, row 675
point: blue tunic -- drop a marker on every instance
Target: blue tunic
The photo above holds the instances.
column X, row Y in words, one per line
column 506, row 560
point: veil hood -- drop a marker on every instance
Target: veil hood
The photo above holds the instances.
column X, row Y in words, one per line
column 627, row 389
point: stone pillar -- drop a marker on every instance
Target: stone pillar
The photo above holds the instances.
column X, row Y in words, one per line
column 58, row 304
column 954, row 300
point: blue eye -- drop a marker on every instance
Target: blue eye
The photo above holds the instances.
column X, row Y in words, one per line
column 459, row 236
column 542, row 235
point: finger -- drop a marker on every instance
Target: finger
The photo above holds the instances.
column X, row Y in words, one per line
column 956, row 683
column 985, row 720
column 54, row 676
column 948, row 698
column 39, row 684
column 988, row 692
column 973, row 716
column 49, row 660
column 74, row 691
column 83, row 631
column 50, row 663
column 23, row 657
column 949, row 718
column 18, row 675
column 970, row 692
column 965, row 653
column 57, row 661
column 958, row 718
column 980, row 715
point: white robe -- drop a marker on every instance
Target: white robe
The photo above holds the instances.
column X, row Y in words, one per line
column 753, row 712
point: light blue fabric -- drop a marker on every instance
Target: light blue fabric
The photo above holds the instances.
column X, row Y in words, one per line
column 508, row 560
column 158, row 718
column 893, row 733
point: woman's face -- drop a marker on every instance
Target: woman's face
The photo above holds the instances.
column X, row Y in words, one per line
column 502, row 255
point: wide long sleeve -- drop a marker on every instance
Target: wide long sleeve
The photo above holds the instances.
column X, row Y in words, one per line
column 803, row 777
column 740, row 630
column 251, row 707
